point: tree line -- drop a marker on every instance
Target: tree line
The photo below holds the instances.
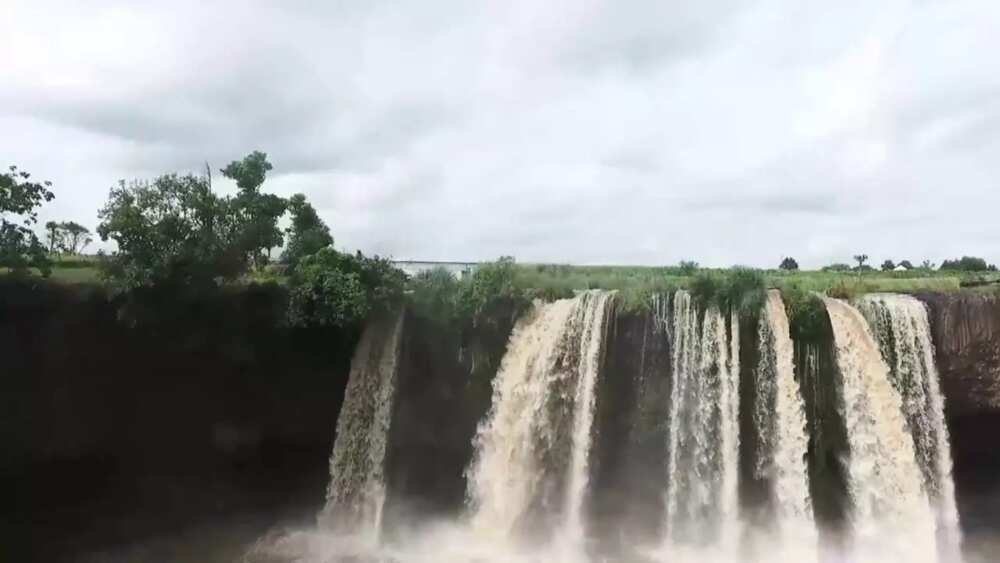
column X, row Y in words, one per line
column 963, row 264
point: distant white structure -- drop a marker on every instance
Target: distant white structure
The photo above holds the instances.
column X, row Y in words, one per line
column 901, row 268
column 457, row 269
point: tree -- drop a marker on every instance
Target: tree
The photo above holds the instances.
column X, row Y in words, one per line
column 171, row 231
column 906, row 264
column 888, row 266
column 789, row 263
column 861, row 259
column 54, row 235
column 927, row 265
column 258, row 212
column 307, row 235
column 75, row 237
column 20, row 199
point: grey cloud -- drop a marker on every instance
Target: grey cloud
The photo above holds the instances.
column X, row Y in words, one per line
column 722, row 131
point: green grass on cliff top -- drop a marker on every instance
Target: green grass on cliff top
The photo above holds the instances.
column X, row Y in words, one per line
column 560, row 279
column 563, row 278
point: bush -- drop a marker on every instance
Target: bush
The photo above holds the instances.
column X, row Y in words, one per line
column 789, row 263
column 743, row 291
column 806, row 313
column 330, row 288
column 490, row 285
column 434, row 294
column 687, row 267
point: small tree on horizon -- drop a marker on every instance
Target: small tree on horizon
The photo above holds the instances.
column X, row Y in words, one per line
column 75, row 237
column 888, row 265
column 789, row 263
column 906, row 264
column 54, row 236
column 861, row 259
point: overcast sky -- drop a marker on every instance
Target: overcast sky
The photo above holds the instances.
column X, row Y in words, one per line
column 581, row 131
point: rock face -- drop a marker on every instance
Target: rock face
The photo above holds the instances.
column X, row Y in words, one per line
column 966, row 328
column 115, row 433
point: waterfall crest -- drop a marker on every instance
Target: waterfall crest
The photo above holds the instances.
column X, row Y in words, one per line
column 890, row 516
column 531, row 467
column 356, row 493
column 902, row 329
column 703, row 429
column 782, row 433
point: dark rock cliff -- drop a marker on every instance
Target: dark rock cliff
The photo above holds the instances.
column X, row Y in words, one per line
column 207, row 409
column 966, row 329
column 114, row 434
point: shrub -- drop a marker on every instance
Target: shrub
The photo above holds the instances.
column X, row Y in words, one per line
column 434, row 295
column 744, row 291
column 806, row 313
column 687, row 267
column 330, row 288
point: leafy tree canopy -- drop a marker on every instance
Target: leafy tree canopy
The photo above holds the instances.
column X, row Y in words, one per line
column 258, row 213
column 888, row 266
column 20, row 199
column 307, row 235
column 173, row 230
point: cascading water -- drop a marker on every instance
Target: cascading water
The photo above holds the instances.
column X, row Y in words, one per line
column 902, row 330
column 891, row 518
column 356, row 493
column 703, row 435
column 531, row 467
column 782, row 433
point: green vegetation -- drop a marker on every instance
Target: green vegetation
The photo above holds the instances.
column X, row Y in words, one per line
column 968, row 264
column 20, row 198
column 331, row 288
column 308, row 233
column 175, row 236
column 67, row 237
column 806, row 313
column 491, row 290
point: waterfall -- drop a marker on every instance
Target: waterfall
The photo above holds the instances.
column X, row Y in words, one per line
column 782, row 433
column 902, row 330
column 356, row 493
column 703, row 434
column 531, row 467
column 891, row 518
